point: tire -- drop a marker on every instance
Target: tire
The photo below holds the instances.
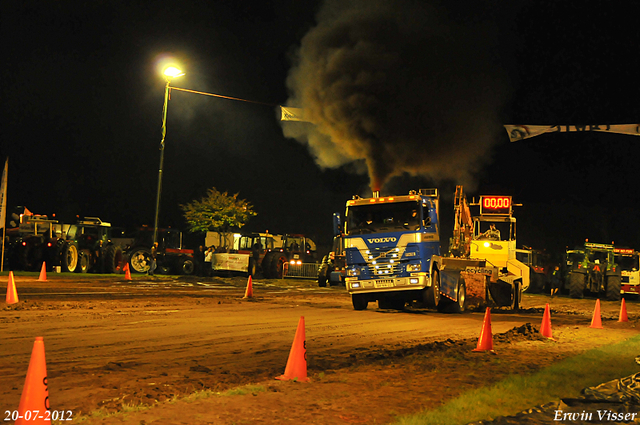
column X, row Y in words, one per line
column 84, row 261
column 25, row 258
column 517, row 296
column 576, row 285
column 187, row 266
column 359, row 302
column 322, row 275
column 537, row 283
column 140, row 260
column 69, row 257
column 279, row 265
column 613, row 288
column 266, row 265
column 431, row 295
column 460, row 305
column 113, row 259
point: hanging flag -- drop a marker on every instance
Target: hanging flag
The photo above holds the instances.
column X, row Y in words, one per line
column 292, row 114
column 521, row 132
column 3, row 195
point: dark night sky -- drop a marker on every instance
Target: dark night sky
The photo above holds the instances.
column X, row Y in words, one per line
column 82, row 102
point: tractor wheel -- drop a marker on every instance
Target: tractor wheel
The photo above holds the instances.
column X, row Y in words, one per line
column 323, row 272
column 69, row 257
column 613, row 288
column 359, row 301
column 266, row 265
column 187, row 266
column 113, row 259
column 279, row 265
column 577, row 285
column 431, row 295
column 536, row 284
column 26, row 258
column 140, row 260
column 84, row 261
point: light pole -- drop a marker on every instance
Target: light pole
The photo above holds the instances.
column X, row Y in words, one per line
column 169, row 73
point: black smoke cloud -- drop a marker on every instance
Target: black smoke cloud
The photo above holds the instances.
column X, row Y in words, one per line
column 406, row 86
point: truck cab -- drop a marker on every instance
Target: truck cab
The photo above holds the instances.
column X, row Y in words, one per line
column 628, row 261
column 389, row 243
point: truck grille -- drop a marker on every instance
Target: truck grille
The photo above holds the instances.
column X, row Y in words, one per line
column 384, row 261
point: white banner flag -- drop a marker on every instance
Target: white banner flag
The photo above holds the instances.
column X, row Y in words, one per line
column 3, row 195
column 521, row 132
column 292, row 114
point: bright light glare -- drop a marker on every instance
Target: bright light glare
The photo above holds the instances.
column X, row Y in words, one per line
column 173, row 72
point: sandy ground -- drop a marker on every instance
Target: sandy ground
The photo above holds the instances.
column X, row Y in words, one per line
column 133, row 350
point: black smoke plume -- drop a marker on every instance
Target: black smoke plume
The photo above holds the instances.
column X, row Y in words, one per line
column 408, row 86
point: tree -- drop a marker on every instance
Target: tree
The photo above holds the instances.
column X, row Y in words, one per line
column 217, row 212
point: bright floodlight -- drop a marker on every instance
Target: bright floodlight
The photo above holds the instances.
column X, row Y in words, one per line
column 173, row 72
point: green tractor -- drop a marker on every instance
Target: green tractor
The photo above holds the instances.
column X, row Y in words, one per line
column 593, row 270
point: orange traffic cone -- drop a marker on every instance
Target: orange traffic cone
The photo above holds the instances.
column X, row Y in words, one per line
column 43, row 273
column 127, row 273
column 12, row 294
column 485, row 342
column 296, row 368
column 35, row 395
column 596, row 321
column 623, row 312
column 545, row 328
column 249, row 292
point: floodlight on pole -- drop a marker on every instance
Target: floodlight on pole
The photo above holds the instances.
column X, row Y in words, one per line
column 169, row 73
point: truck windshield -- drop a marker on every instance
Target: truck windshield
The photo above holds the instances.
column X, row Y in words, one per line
column 383, row 217
column 627, row 262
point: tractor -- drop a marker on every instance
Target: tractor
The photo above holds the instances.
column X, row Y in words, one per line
column 593, row 270
column 97, row 252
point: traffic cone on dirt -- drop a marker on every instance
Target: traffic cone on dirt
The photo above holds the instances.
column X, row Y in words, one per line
column 249, row 291
column 12, row 294
column 596, row 321
column 43, row 273
column 296, row 368
column 35, row 395
column 127, row 273
column 623, row 312
column 485, row 342
column 545, row 328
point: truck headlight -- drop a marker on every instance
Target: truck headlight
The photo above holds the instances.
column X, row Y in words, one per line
column 415, row 267
column 353, row 272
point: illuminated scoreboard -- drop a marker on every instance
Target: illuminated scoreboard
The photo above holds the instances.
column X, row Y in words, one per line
column 495, row 205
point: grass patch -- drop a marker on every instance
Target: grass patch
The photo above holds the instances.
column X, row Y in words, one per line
column 247, row 389
column 520, row 392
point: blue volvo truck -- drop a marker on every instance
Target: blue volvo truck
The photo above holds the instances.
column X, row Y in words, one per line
column 393, row 256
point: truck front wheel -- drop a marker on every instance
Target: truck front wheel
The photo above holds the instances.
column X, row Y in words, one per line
column 359, row 301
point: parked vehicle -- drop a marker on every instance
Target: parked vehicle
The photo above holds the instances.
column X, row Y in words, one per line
column 171, row 258
column 593, row 270
column 96, row 250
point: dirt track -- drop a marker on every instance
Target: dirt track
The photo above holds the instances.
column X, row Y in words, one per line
column 111, row 342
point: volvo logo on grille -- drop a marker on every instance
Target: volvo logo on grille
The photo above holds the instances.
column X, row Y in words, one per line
column 382, row 240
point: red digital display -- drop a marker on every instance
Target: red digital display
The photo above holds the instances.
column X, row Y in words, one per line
column 495, row 205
